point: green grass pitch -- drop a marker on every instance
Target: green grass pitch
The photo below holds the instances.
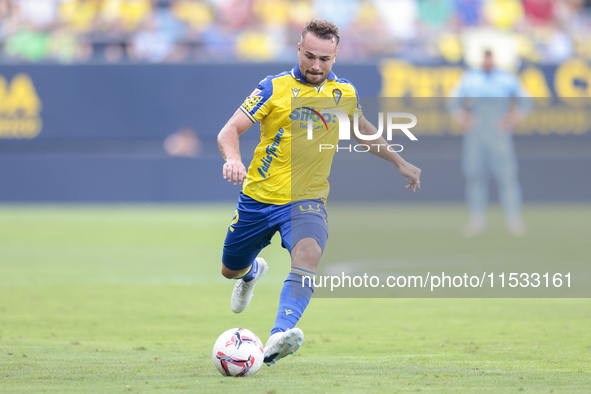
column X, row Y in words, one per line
column 129, row 299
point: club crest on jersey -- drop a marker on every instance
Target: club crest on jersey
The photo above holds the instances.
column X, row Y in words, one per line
column 295, row 92
column 336, row 94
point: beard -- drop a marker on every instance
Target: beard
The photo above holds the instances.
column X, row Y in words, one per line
column 315, row 79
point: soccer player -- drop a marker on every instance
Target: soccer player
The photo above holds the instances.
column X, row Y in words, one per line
column 488, row 144
column 265, row 204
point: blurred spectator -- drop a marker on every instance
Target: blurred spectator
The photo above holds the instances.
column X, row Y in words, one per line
column 6, row 9
column 399, row 16
column 300, row 12
column 157, row 41
column 468, row 12
column 183, row 143
column 110, row 14
column 80, row 15
column 272, row 35
column 367, row 25
column 69, row 31
column 450, row 47
column 235, row 14
column 64, row 46
column 28, row 45
column 218, row 43
column 341, row 12
column 570, row 14
column 560, row 47
column 134, row 13
column 255, row 46
column 198, row 15
column 151, row 45
column 539, row 12
column 38, row 13
column 9, row 18
column 114, row 53
column 435, row 14
column 504, row 14
column 272, row 12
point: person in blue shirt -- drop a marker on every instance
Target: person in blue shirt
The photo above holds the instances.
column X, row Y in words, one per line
column 489, row 103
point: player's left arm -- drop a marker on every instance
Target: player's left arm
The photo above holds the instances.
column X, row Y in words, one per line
column 407, row 170
column 455, row 104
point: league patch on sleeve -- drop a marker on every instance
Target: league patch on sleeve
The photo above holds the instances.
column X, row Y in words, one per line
column 251, row 101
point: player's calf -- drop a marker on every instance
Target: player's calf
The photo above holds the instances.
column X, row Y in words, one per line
column 244, row 288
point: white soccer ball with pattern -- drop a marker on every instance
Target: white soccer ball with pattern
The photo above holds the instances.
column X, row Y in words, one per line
column 238, row 352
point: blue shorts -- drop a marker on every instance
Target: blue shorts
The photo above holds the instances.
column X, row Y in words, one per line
column 255, row 223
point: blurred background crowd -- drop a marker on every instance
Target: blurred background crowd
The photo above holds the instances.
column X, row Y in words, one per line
column 154, row 31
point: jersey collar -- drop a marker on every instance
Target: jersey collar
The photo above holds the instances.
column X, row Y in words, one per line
column 295, row 72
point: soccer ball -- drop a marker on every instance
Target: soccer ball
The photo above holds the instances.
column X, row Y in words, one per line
column 238, row 352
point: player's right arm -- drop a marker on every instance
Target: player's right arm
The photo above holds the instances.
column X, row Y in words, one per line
column 521, row 109
column 233, row 170
column 253, row 109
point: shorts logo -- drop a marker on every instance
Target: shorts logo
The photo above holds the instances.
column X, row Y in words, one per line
column 318, row 211
column 234, row 221
column 310, row 209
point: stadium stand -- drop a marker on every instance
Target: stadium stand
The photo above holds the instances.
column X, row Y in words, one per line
column 155, row 31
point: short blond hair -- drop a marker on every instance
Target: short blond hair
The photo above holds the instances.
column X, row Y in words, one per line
column 323, row 29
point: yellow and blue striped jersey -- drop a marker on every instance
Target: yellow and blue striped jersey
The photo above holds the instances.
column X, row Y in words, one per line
column 286, row 166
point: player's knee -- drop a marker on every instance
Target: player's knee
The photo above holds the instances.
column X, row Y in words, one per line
column 228, row 273
column 314, row 253
column 307, row 252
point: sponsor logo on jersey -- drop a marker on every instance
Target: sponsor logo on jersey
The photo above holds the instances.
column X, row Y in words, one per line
column 271, row 151
column 317, row 116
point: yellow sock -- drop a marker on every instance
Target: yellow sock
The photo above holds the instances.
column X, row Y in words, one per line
column 247, row 271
